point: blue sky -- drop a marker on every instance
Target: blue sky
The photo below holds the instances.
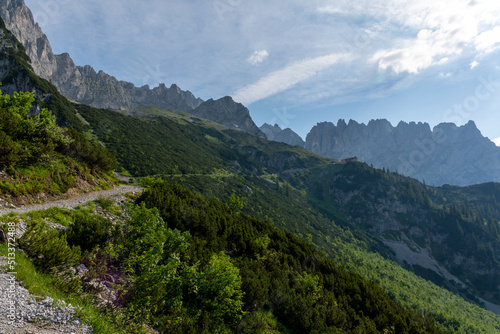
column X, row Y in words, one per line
column 297, row 63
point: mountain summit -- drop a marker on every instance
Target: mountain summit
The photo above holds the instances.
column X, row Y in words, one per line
column 101, row 90
column 446, row 154
column 84, row 84
column 286, row 136
column 228, row 113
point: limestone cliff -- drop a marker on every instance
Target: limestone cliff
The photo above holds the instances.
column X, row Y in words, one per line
column 84, row 84
column 446, row 154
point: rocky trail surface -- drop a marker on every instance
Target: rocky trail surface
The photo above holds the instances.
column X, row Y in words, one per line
column 46, row 316
column 73, row 202
column 21, row 313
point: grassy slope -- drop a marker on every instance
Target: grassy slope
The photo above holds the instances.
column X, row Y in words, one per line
column 270, row 201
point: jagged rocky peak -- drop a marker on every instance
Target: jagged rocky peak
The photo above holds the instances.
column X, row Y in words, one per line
column 229, row 113
column 98, row 89
column 287, row 136
column 455, row 133
column 19, row 20
column 447, row 154
column 84, row 84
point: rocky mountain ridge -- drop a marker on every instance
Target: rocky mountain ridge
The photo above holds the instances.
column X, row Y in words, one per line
column 16, row 72
column 98, row 89
column 227, row 112
column 84, row 84
column 446, row 154
column 286, row 136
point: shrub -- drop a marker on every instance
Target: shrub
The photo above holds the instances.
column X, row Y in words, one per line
column 47, row 248
column 92, row 153
column 106, row 203
column 89, row 231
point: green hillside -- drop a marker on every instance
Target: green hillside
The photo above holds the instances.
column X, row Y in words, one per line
column 191, row 264
column 278, row 182
column 247, row 235
column 165, row 146
column 388, row 205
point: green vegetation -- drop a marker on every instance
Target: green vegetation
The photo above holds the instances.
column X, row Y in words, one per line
column 386, row 205
column 162, row 146
column 305, row 291
column 290, row 200
column 41, row 157
column 48, row 96
column 289, row 209
column 191, row 264
column 154, row 146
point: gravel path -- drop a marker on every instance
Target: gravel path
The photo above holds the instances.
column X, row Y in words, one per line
column 72, row 202
column 42, row 317
column 21, row 313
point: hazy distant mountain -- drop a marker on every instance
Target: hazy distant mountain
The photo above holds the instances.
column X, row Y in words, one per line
column 446, row 154
column 228, row 113
column 286, row 136
column 84, row 84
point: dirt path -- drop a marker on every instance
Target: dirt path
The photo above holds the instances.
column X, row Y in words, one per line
column 73, row 202
column 41, row 317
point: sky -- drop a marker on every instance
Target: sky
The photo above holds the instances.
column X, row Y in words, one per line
column 296, row 63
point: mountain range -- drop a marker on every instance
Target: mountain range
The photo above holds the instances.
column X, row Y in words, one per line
column 446, row 154
column 364, row 218
column 98, row 89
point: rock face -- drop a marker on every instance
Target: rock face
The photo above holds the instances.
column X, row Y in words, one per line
column 228, row 113
column 14, row 65
column 83, row 84
column 287, row 136
column 19, row 20
column 446, row 154
column 100, row 90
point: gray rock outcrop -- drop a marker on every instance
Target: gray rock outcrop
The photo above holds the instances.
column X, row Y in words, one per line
column 14, row 65
column 228, row 113
column 446, row 154
column 287, row 136
column 84, row 84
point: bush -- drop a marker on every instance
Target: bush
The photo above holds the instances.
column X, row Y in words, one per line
column 92, row 153
column 47, row 248
column 89, row 231
column 106, row 203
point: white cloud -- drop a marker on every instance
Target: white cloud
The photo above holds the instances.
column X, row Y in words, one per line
column 258, row 57
column 445, row 75
column 497, row 141
column 474, row 64
column 442, row 30
column 489, row 40
column 330, row 10
column 283, row 79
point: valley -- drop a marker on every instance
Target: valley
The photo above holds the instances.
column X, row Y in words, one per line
column 225, row 231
